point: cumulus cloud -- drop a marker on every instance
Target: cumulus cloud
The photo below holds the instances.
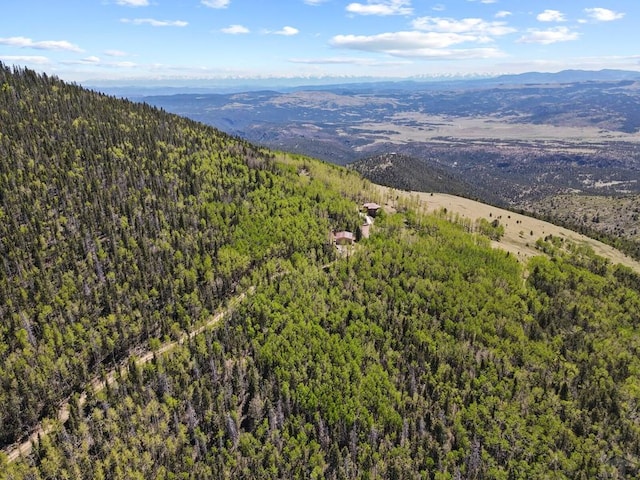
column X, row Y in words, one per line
column 394, row 41
column 381, row 7
column 91, row 60
column 549, row 36
column 216, row 3
column 123, row 64
column 503, row 14
column 432, row 38
column 415, row 44
column 155, row 23
column 133, row 3
column 115, row 53
column 287, row 31
column 325, row 61
column 235, row 30
column 345, row 61
column 29, row 59
column 24, row 42
column 474, row 26
column 97, row 62
column 603, row 14
column 551, row 16
column 314, row 2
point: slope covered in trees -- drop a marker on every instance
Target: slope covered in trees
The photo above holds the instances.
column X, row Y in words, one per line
column 421, row 353
column 120, row 223
column 405, row 172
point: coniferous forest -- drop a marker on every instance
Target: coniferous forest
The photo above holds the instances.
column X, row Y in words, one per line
column 421, row 352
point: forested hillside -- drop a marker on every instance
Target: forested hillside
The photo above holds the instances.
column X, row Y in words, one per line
column 119, row 224
column 410, row 173
column 419, row 353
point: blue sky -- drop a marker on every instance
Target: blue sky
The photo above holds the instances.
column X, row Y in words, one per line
column 180, row 40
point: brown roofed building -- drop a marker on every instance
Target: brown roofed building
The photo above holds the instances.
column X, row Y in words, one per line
column 372, row 208
column 344, row 238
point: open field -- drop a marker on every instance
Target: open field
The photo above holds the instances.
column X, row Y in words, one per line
column 419, row 127
column 521, row 231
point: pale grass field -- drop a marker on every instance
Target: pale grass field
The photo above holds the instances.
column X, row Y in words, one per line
column 521, row 231
column 496, row 130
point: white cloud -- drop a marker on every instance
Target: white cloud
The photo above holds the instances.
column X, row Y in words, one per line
column 235, row 29
column 551, row 16
column 314, row 2
column 91, row 60
column 345, row 61
column 98, row 63
column 287, row 31
column 603, row 14
column 133, row 3
column 115, row 53
column 29, row 59
column 432, row 38
column 438, row 8
column 549, row 36
column 24, row 42
column 385, row 42
column 475, row 26
column 488, row 2
column 415, row 44
column 155, row 23
column 216, row 3
column 455, row 54
column 503, row 14
column 381, row 7
column 326, row 61
column 123, row 64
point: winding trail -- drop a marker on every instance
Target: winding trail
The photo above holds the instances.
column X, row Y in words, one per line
column 97, row 384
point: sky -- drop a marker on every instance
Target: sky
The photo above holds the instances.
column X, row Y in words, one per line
column 138, row 41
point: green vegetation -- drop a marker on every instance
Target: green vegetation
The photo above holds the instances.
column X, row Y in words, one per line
column 422, row 353
column 120, row 224
column 415, row 173
column 611, row 219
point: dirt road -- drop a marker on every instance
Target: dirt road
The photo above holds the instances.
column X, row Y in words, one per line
column 14, row 452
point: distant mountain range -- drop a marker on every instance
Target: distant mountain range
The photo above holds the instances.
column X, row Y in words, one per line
column 569, row 76
column 224, row 86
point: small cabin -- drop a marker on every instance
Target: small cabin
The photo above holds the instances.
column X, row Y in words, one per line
column 371, row 208
column 344, row 238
